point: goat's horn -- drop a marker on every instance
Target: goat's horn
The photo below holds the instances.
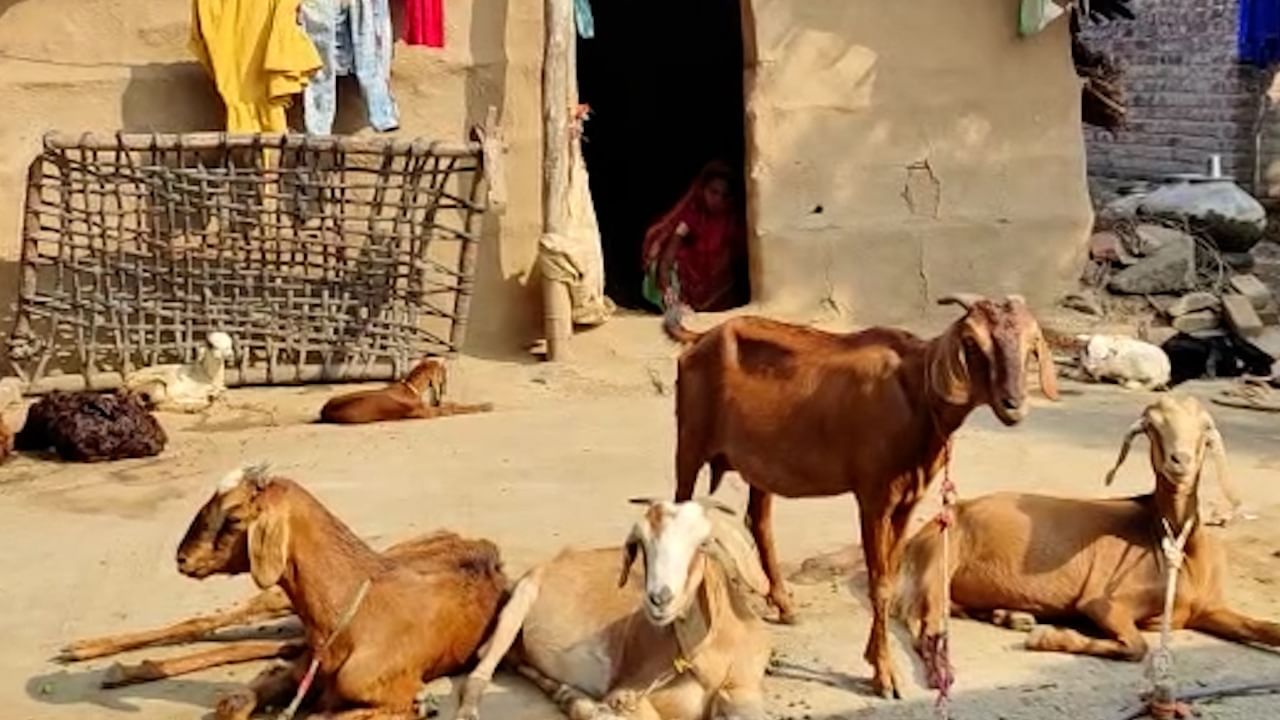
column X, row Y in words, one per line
column 644, row 500
column 1135, row 430
column 964, row 300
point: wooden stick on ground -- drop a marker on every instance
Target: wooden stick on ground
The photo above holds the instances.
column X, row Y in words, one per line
column 268, row 605
column 119, row 675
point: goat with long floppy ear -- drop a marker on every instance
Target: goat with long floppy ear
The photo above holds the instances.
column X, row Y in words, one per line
column 734, row 550
column 1218, row 451
column 1213, row 444
column 268, row 545
column 1044, row 358
column 631, row 548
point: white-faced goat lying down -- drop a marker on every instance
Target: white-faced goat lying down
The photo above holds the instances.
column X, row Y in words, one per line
column 186, row 388
column 678, row 643
column 376, row 625
column 1098, row 560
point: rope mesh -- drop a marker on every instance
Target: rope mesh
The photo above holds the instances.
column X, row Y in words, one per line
column 323, row 258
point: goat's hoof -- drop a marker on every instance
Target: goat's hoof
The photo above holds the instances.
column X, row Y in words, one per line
column 1038, row 638
column 623, row 702
column 1014, row 620
column 237, row 705
column 886, row 688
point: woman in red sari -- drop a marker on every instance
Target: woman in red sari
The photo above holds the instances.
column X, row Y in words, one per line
column 695, row 252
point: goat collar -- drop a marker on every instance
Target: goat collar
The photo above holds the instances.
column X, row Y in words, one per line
column 694, row 630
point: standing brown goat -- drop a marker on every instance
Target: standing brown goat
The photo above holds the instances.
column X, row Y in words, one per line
column 400, row 400
column 374, row 648
column 803, row 413
column 1098, row 560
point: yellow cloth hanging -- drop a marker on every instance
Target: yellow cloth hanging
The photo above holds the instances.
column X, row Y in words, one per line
column 258, row 56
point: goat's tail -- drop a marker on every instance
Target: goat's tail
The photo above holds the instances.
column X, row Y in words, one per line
column 495, row 649
column 673, row 324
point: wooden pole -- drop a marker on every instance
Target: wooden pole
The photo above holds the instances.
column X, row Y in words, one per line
column 557, row 312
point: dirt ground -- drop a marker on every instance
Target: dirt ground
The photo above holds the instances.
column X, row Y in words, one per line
column 89, row 549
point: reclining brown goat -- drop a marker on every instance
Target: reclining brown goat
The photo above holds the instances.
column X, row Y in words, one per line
column 1098, row 560
column 678, row 642
column 400, row 400
column 804, row 413
column 376, row 626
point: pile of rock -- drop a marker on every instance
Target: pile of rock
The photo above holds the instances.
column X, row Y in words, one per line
column 1185, row 247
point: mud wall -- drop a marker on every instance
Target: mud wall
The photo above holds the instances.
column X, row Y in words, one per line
column 901, row 151
column 103, row 65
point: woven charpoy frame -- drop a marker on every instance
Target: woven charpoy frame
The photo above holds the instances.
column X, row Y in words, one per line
column 324, row 258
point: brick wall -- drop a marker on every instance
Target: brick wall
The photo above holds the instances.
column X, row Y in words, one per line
column 1187, row 95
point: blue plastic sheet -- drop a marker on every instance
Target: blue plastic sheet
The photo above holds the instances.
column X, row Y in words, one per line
column 1259, row 32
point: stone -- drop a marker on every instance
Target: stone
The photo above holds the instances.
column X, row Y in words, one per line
column 1084, row 302
column 1148, row 238
column 1241, row 316
column 1196, row 321
column 1270, row 315
column 1239, row 262
column 1171, row 269
column 1268, row 341
column 1251, row 287
column 1193, row 302
column 1158, row 335
column 1107, row 247
column 1232, row 217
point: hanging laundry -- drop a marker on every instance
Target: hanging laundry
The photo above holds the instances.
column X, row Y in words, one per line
column 1259, row 33
column 353, row 37
column 256, row 54
column 583, row 18
column 424, row 22
column 1035, row 15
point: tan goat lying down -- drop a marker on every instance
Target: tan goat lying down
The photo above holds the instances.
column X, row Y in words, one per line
column 1069, row 559
column 676, row 643
column 378, row 625
column 400, row 400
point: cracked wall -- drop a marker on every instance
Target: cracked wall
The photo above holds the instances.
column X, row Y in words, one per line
column 899, row 152
column 105, row 65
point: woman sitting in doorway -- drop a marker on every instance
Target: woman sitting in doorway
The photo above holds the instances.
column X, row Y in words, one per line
column 697, row 251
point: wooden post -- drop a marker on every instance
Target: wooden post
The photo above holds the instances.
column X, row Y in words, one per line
column 557, row 312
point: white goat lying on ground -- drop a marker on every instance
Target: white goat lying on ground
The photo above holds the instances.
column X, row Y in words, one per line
column 679, row 643
column 186, row 388
column 1100, row 560
column 1130, row 362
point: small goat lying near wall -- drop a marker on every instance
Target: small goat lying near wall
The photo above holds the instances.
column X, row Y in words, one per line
column 186, row 388
column 92, row 427
column 804, row 413
column 1098, row 560
column 1129, row 362
column 679, row 643
column 401, row 400
column 374, row 648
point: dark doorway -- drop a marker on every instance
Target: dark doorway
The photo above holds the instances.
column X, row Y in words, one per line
column 664, row 82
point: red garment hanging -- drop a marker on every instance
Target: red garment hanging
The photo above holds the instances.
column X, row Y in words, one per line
column 424, row 22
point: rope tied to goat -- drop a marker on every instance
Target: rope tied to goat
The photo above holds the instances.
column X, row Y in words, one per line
column 310, row 677
column 945, row 674
column 1163, row 703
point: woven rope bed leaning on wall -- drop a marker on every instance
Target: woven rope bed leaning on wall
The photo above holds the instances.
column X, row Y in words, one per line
column 325, row 259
